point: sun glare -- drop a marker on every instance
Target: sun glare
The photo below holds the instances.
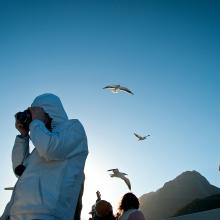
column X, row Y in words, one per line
column 98, row 179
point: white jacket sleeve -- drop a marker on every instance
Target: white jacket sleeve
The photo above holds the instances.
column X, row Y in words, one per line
column 68, row 142
column 6, row 213
column 20, row 151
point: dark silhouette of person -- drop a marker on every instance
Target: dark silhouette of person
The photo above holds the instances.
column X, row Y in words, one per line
column 129, row 208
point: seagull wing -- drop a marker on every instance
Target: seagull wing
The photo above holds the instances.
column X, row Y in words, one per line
column 124, row 173
column 138, row 136
column 146, row 136
column 125, row 89
column 110, row 86
column 114, row 170
column 127, row 181
column 121, row 176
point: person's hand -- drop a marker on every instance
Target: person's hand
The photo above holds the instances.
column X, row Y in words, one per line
column 19, row 126
column 38, row 113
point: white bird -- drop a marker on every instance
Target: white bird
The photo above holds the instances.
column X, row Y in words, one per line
column 117, row 173
column 118, row 88
column 141, row 138
column 9, row 188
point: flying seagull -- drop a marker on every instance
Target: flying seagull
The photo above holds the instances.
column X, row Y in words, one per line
column 9, row 188
column 118, row 88
column 141, row 138
column 117, row 173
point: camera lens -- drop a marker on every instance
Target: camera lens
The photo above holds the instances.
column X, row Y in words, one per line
column 24, row 118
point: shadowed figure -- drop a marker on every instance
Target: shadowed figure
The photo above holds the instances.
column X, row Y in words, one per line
column 93, row 212
column 129, row 208
column 102, row 209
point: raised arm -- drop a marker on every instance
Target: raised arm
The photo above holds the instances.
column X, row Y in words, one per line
column 20, row 150
column 68, row 142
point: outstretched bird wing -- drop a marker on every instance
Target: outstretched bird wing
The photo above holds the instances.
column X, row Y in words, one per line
column 120, row 175
column 110, row 86
column 127, row 181
column 114, row 170
column 125, row 89
column 138, row 136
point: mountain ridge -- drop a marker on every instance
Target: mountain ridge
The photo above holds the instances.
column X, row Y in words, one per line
column 176, row 194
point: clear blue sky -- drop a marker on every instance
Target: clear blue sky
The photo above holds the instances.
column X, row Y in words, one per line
column 166, row 52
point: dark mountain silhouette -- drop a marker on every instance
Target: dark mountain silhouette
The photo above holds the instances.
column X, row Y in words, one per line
column 175, row 195
column 200, row 205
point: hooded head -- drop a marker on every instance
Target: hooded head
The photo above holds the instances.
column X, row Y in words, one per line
column 52, row 106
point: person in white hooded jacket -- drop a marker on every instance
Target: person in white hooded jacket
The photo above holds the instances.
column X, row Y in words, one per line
column 51, row 176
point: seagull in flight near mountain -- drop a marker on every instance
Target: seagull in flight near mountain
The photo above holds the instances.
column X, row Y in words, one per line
column 118, row 88
column 141, row 138
column 117, row 173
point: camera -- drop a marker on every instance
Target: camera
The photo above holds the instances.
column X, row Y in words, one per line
column 24, row 118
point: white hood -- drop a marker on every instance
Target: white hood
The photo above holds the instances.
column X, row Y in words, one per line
column 51, row 105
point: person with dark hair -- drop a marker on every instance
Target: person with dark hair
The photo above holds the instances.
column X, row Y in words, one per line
column 104, row 211
column 129, row 208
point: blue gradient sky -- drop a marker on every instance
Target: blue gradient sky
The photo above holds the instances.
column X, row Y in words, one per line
column 166, row 52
